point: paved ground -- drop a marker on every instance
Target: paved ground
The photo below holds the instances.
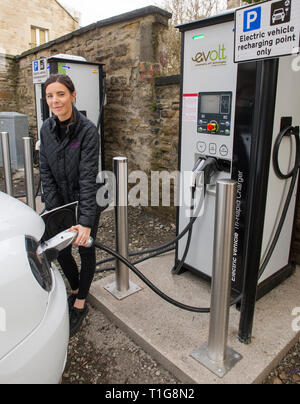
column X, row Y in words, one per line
column 102, row 354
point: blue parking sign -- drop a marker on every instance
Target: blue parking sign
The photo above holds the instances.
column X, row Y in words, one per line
column 252, row 19
column 36, row 66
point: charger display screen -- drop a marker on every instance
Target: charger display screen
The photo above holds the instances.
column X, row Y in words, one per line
column 214, row 113
column 210, row 104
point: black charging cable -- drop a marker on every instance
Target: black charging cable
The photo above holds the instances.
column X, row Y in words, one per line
column 153, row 287
column 209, row 166
column 290, row 131
column 189, row 229
column 177, row 269
column 164, row 248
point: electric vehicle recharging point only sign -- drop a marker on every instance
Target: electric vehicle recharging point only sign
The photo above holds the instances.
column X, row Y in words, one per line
column 267, row 30
column 40, row 71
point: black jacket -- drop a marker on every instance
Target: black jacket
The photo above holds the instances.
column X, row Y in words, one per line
column 69, row 168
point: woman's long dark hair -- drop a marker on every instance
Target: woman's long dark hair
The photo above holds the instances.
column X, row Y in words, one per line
column 63, row 79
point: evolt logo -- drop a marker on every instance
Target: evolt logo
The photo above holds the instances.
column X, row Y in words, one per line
column 252, row 19
column 211, row 57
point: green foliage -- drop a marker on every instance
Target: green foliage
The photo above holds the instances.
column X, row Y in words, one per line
column 252, row 1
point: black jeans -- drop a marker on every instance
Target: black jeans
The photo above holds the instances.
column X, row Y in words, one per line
column 80, row 280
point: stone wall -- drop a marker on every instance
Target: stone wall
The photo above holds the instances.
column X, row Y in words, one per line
column 17, row 17
column 165, row 129
column 142, row 113
column 132, row 47
column 234, row 3
column 165, row 123
column 8, row 83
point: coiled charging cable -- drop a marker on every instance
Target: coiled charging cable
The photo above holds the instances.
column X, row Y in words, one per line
column 290, row 131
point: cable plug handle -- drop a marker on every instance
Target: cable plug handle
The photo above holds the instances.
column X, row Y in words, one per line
column 61, row 241
column 203, row 171
column 75, row 233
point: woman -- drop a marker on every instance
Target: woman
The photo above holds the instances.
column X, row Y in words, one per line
column 69, row 157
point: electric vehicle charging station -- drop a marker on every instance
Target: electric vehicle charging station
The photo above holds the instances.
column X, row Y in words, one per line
column 238, row 106
column 89, row 81
column 234, row 114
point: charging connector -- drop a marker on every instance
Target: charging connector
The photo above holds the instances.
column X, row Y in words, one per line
column 61, row 241
column 200, row 179
column 203, row 171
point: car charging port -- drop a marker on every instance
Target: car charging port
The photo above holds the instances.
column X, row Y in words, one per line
column 39, row 264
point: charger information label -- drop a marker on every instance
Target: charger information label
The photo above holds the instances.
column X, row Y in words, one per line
column 190, row 107
column 270, row 29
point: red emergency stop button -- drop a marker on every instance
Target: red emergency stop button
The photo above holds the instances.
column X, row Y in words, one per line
column 212, row 127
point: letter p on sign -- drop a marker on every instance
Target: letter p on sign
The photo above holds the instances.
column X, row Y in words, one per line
column 252, row 19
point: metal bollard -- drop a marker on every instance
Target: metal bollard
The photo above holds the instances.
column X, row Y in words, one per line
column 121, row 221
column 215, row 355
column 7, row 163
column 28, row 172
column 122, row 287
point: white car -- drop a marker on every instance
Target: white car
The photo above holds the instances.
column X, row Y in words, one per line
column 34, row 319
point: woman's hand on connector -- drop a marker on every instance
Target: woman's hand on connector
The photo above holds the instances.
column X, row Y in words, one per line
column 82, row 236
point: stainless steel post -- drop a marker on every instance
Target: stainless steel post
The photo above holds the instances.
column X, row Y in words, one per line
column 29, row 177
column 215, row 355
column 121, row 221
column 122, row 287
column 222, row 267
column 7, row 163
